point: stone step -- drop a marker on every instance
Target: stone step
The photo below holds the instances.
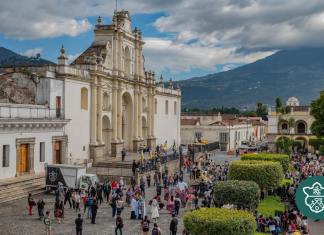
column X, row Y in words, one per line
column 21, row 184
column 26, row 189
column 19, row 187
column 22, row 195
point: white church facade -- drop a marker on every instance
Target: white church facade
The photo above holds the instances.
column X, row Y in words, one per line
column 87, row 111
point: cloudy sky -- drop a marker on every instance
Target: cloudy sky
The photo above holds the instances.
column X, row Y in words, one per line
column 184, row 38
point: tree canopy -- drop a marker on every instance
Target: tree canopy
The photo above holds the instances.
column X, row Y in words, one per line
column 317, row 110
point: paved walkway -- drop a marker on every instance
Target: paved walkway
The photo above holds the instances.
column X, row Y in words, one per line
column 15, row 220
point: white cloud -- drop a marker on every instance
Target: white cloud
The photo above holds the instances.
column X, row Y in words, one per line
column 179, row 57
column 207, row 33
column 32, row 52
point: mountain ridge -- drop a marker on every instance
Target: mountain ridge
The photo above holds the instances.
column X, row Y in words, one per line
column 8, row 58
column 295, row 72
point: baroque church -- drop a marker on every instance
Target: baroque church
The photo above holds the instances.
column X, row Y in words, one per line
column 87, row 111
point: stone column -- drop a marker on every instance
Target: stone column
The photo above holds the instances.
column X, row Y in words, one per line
column 119, row 113
column 137, row 60
column 31, row 168
column 140, row 108
column 136, row 113
column 114, row 52
column 93, row 113
column 114, row 111
column 120, row 53
column 152, row 114
column 17, row 159
column 99, row 116
column 149, row 123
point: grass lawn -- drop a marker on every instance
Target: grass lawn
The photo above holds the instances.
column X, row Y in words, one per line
column 261, row 233
column 270, row 205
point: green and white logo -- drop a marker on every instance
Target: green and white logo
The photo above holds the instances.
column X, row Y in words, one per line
column 310, row 197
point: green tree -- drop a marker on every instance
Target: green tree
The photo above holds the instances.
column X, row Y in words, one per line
column 261, row 110
column 284, row 145
column 317, row 110
column 278, row 104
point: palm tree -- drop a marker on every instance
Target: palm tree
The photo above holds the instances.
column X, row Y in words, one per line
column 291, row 123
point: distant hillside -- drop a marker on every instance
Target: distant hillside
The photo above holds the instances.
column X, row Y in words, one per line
column 298, row 72
column 9, row 58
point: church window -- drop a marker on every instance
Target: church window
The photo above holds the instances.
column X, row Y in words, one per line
column 5, row 155
column 42, row 151
column 105, row 106
column 155, row 106
column 175, row 107
column 84, row 98
column 167, row 107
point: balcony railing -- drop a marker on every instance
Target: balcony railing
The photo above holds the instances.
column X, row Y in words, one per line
column 22, row 111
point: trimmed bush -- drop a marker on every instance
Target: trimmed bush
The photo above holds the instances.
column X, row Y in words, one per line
column 243, row 194
column 266, row 174
column 211, row 221
column 283, row 159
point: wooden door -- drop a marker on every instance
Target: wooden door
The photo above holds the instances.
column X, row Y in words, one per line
column 23, row 166
column 58, row 106
column 57, row 151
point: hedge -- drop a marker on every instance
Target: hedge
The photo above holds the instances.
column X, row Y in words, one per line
column 266, row 174
column 211, row 221
column 243, row 194
column 283, row 159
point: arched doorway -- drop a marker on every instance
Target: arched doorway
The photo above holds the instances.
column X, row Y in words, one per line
column 144, row 128
column 127, row 120
column 106, row 135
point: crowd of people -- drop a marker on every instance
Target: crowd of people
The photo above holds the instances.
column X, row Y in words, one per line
column 172, row 193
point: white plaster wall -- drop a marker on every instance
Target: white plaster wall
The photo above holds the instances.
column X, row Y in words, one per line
column 167, row 126
column 78, row 129
column 9, row 138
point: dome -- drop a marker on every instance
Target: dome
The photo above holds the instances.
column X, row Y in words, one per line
column 292, row 101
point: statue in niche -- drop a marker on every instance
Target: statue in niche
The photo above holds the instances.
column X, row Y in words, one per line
column 109, row 54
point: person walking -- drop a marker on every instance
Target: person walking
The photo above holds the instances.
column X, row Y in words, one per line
column 173, row 225
column 145, row 225
column 94, row 210
column 155, row 209
column 48, row 223
column 77, row 201
column 156, row 230
column 119, row 205
column 40, row 208
column 78, row 225
column 119, row 225
column 31, row 204
column 67, row 197
column 123, row 153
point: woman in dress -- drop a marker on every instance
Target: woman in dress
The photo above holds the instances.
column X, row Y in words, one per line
column 155, row 210
column 170, row 205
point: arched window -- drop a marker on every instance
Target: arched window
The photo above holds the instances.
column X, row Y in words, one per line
column 84, row 98
column 105, row 105
column 175, row 107
column 166, row 107
column 301, row 127
column 155, row 106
